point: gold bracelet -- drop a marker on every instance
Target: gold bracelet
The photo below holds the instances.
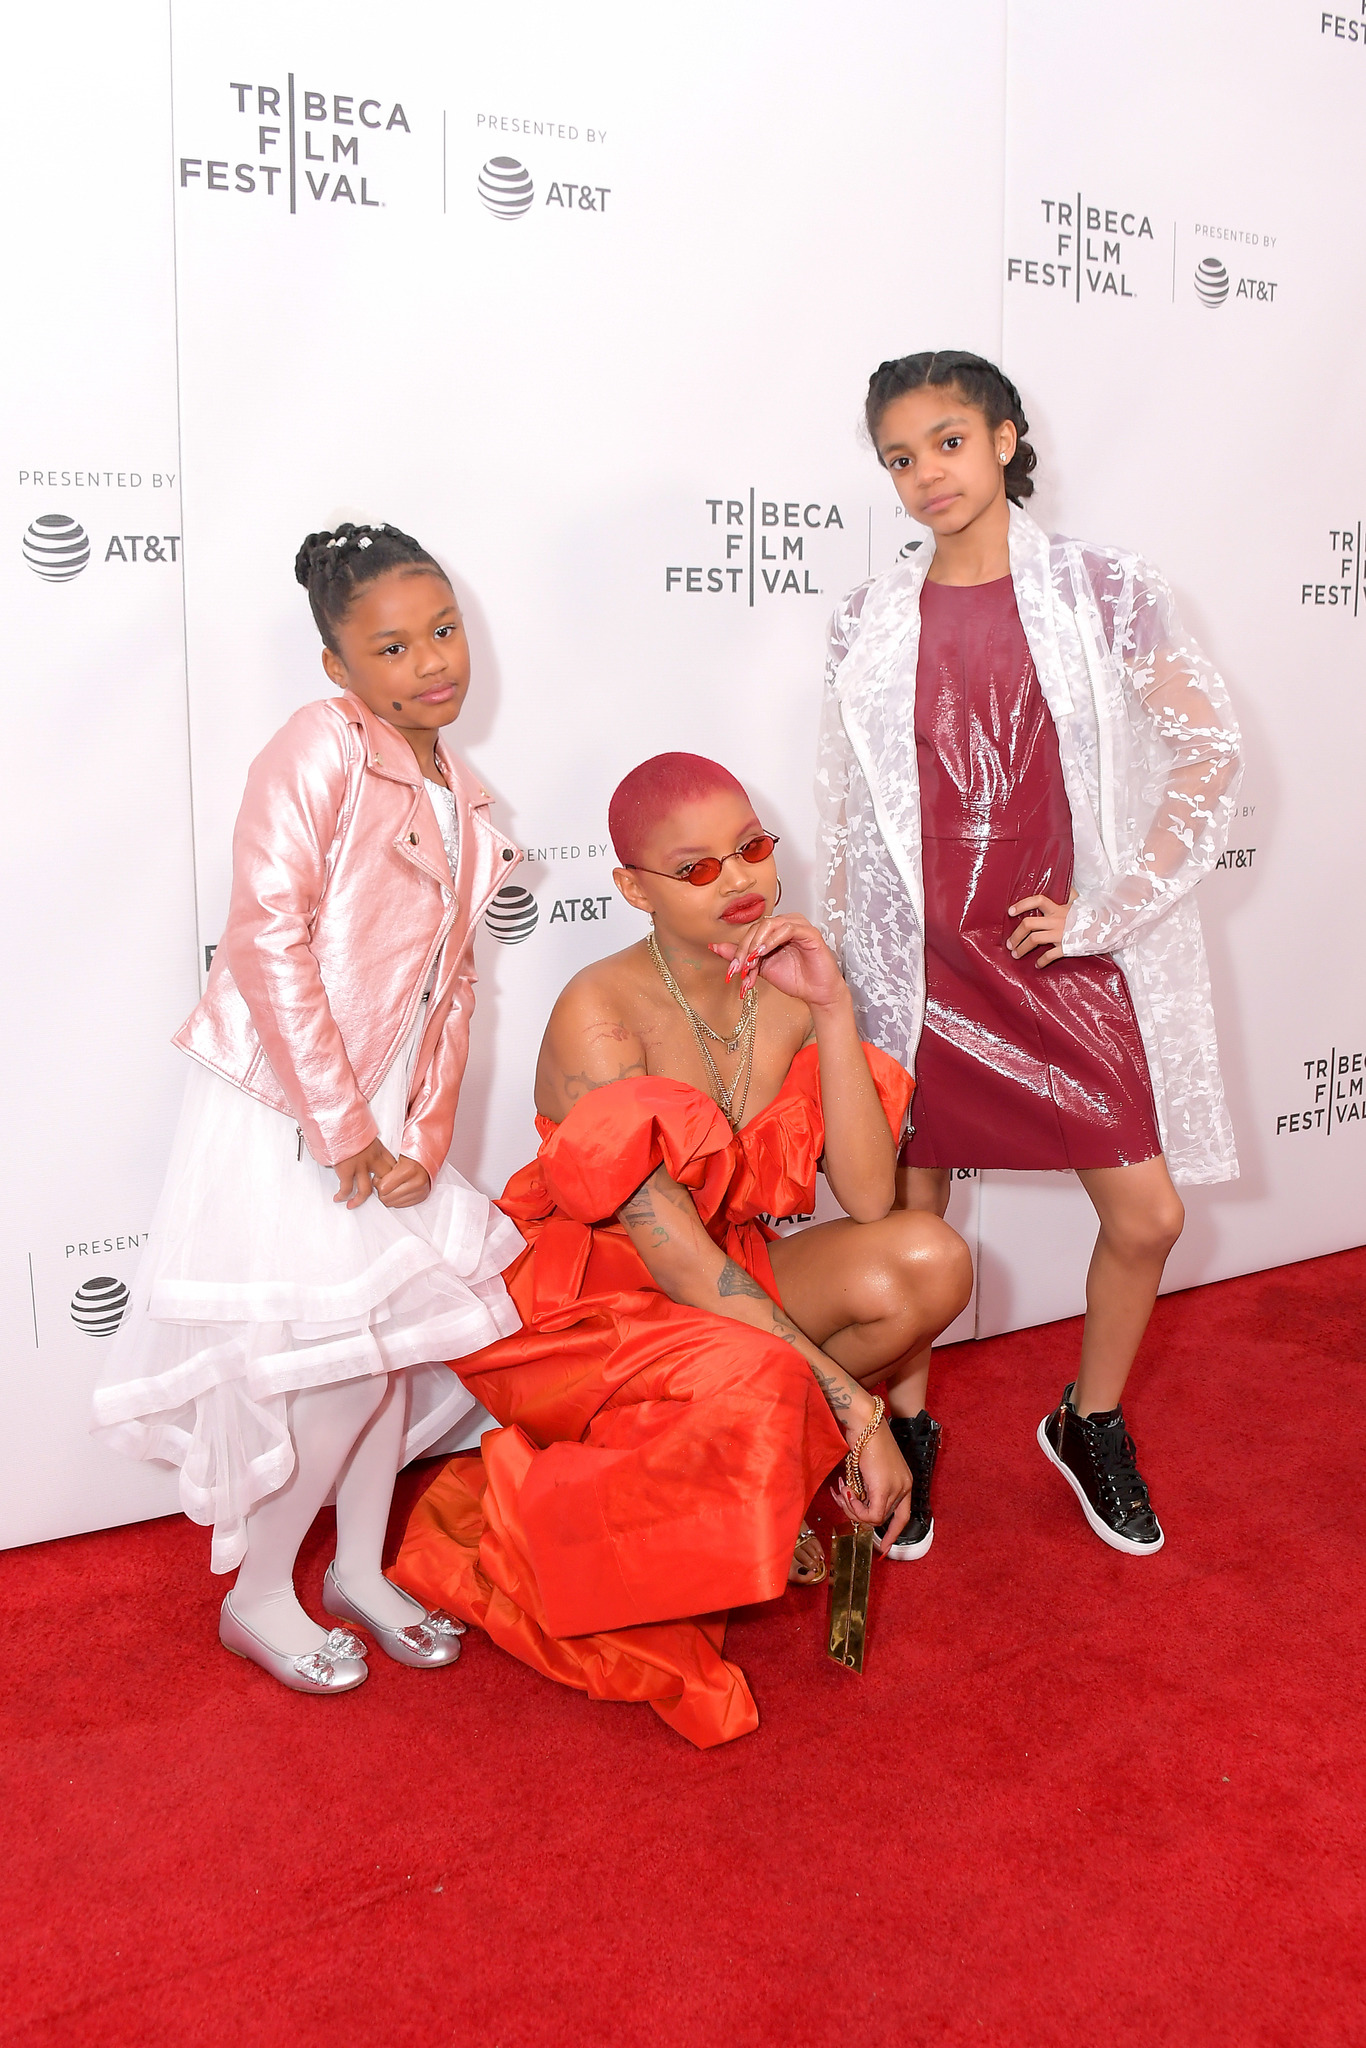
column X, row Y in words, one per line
column 853, row 1478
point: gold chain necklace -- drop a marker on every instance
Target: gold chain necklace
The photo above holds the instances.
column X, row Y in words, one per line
column 730, row 1100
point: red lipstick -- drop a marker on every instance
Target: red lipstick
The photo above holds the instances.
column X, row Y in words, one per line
column 745, row 910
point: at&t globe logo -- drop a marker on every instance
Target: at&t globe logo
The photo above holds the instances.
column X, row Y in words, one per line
column 505, row 187
column 97, row 1306
column 56, row 548
column 513, row 914
column 1211, row 282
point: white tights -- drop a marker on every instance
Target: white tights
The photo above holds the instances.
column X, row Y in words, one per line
column 349, row 1436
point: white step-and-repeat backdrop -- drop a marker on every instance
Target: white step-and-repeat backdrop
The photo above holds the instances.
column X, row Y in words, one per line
column 587, row 299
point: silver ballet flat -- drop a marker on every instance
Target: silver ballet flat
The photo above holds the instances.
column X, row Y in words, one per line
column 337, row 1665
column 433, row 1640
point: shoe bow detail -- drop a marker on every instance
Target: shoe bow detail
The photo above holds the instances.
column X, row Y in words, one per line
column 341, row 1643
column 442, row 1624
column 318, row 1666
column 436, row 1627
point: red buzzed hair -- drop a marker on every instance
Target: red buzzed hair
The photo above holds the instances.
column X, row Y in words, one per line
column 656, row 789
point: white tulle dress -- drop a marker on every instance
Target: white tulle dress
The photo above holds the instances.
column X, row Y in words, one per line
column 256, row 1283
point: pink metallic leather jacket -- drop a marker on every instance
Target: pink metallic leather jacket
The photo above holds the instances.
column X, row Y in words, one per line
column 341, row 904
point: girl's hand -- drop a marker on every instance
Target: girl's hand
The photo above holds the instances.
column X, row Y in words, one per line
column 362, row 1173
column 789, row 952
column 887, row 1483
column 1042, row 926
column 405, row 1185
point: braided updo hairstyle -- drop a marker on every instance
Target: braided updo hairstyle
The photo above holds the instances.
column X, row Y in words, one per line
column 978, row 381
column 333, row 566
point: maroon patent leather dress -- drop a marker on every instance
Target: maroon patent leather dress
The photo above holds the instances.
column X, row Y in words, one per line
column 1018, row 1066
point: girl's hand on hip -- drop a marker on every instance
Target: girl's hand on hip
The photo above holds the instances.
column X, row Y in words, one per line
column 360, row 1175
column 789, row 952
column 405, row 1185
column 1042, row 924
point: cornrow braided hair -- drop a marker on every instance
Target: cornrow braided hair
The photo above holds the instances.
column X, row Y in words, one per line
column 333, row 566
column 981, row 383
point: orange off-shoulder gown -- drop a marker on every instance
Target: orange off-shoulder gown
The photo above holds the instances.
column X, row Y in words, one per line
column 654, row 1461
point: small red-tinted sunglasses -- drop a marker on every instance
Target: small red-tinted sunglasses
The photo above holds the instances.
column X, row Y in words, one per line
column 700, row 872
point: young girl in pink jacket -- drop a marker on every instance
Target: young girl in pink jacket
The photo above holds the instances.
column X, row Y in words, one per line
column 314, row 1256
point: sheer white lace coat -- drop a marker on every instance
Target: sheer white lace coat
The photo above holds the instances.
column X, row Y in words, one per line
column 1150, row 758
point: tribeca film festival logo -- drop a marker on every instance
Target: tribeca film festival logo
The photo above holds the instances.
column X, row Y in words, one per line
column 1338, row 1085
column 300, row 145
column 506, row 186
column 1345, row 28
column 1343, row 589
column 765, row 543
column 1089, row 250
column 1100, row 251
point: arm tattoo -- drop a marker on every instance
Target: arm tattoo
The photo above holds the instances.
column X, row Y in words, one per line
column 639, row 1213
column 733, row 1279
column 835, row 1391
column 577, row 1085
column 639, row 1208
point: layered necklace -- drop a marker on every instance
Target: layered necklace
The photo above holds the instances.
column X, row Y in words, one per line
column 731, row 1100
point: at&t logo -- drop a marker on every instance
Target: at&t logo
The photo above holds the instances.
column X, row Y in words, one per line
column 513, row 914
column 1213, row 283
column 98, row 1305
column 508, row 190
column 56, row 547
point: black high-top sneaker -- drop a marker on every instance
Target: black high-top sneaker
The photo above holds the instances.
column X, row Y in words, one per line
column 1095, row 1455
column 917, row 1439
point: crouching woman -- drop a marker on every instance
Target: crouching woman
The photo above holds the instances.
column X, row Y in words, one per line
column 684, row 1379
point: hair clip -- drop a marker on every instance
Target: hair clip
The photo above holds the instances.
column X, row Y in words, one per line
column 339, row 540
column 364, row 541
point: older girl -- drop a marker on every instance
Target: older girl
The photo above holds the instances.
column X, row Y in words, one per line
column 1027, row 766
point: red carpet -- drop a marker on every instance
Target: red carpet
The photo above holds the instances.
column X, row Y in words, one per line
column 1074, row 1799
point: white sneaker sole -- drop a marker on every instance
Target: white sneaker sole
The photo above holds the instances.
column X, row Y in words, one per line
column 907, row 1553
column 1124, row 1543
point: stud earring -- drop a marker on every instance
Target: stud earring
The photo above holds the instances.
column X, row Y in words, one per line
column 1004, row 456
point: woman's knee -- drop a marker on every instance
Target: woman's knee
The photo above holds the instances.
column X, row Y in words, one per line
column 928, row 1267
column 1148, row 1233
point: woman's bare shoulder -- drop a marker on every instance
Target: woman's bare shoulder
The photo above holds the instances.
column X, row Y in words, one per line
column 607, row 990
column 594, row 1033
